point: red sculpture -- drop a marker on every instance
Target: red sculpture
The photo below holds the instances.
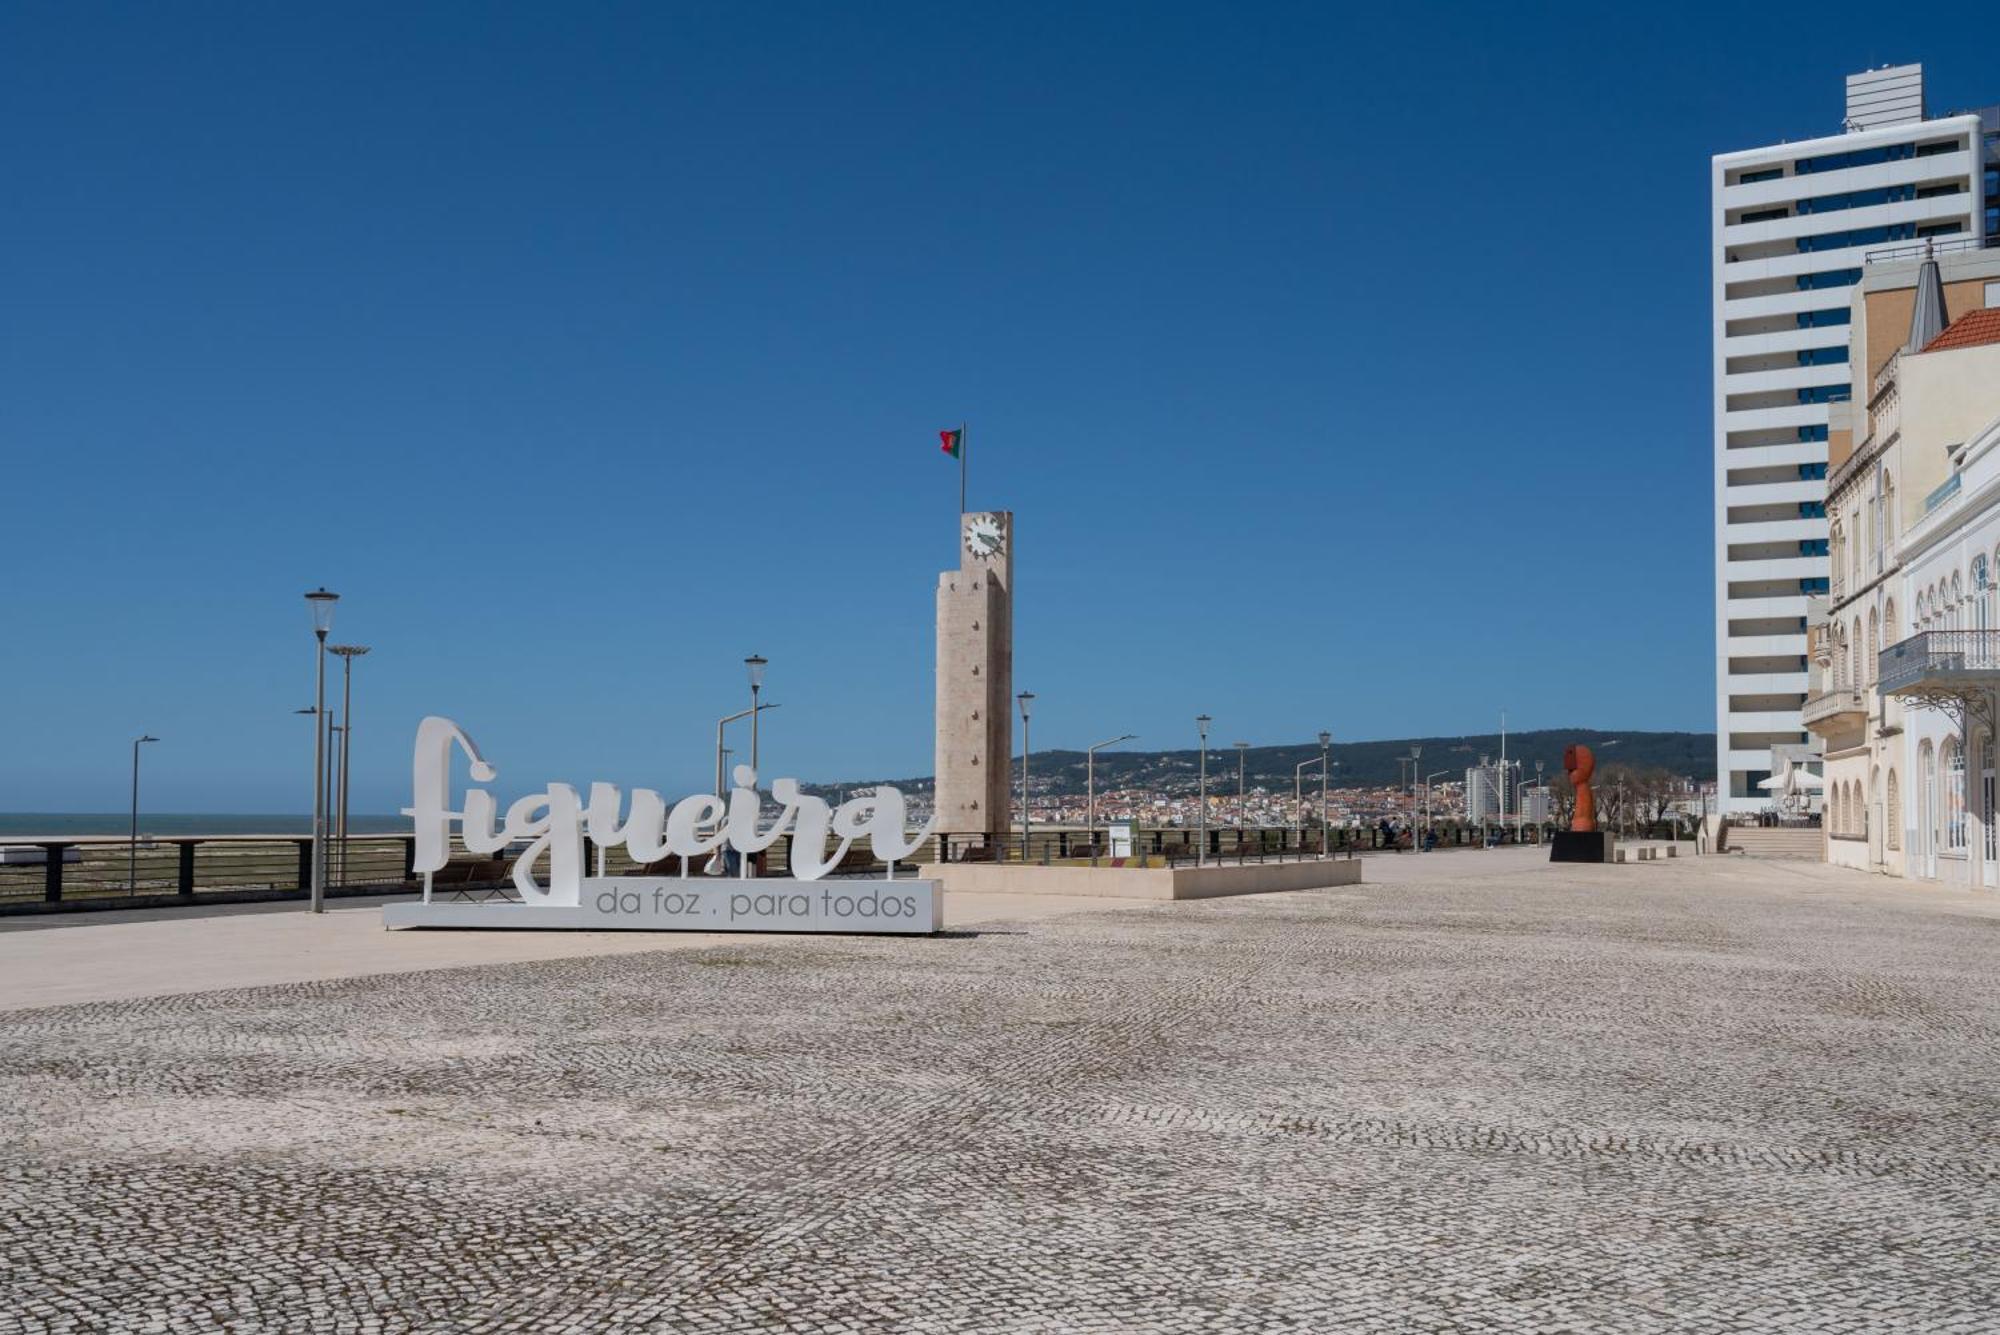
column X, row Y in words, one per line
column 1579, row 764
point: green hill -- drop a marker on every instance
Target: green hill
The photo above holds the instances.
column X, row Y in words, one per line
column 1688, row 755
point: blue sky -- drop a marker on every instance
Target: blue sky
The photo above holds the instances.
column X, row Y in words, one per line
column 1345, row 371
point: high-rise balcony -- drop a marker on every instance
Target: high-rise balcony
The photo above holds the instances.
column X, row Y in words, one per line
column 1943, row 661
column 1841, row 709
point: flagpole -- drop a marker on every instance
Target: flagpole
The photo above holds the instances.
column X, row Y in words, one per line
column 964, row 448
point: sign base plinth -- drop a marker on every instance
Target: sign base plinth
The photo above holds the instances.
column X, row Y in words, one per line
column 704, row 904
column 1580, row 846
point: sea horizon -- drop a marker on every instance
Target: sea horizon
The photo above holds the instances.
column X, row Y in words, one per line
column 70, row 824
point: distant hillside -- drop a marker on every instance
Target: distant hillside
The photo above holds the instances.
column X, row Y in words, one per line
column 1356, row 764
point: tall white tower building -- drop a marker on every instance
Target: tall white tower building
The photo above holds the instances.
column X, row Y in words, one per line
column 1792, row 226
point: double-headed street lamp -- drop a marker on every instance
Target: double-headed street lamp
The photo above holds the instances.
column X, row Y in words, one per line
column 320, row 603
column 348, row 653
column 133, row 869
column 1201, row 722
column 1090, row 786
column 1026, row 700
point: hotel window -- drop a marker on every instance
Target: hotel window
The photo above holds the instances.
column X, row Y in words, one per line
column 1808, row 282
column 1938, row 146
column 1812, row 509
column 1821, row 319
column 1941, row 229
column 1812, row 547
column 1859, row 236
column 1761, row 174
column 1826, row 394
column 1860, row 157
column 1812, row 586
column 1855, row 199
column 1765, row 215
column 1823, row 356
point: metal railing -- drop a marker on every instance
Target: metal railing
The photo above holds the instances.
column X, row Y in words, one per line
column 1934, row 245
column 109, row 872
column 1936, row 656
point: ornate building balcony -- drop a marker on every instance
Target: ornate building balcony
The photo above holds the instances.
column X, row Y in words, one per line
column 1842, row 709
column 1941, row 663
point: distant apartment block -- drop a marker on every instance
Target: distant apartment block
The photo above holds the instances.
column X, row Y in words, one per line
column 1793, row 226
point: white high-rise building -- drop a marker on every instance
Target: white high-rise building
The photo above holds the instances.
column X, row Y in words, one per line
column 1792, row 227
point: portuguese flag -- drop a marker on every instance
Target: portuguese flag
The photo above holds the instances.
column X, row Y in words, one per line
column 953, row 441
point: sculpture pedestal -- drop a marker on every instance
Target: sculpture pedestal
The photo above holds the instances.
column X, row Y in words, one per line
column 1580, row 846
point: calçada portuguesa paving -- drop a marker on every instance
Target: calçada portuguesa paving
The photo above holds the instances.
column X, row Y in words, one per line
column 1477, row 1095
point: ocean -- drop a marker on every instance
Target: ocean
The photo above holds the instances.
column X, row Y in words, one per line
column 64, row 824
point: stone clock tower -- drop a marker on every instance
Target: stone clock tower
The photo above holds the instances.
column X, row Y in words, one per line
column 975, row 677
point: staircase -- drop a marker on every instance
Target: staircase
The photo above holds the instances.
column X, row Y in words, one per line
column 1757, row 841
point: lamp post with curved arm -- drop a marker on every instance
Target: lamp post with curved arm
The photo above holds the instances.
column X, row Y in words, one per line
column 1090, row 786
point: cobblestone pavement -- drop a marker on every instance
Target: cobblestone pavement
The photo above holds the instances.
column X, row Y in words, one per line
column 1697, row 1096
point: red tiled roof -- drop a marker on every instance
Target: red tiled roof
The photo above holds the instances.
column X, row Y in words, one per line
column 1970, row 330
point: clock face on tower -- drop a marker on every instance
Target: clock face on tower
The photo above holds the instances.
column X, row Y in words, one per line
column 984, row 537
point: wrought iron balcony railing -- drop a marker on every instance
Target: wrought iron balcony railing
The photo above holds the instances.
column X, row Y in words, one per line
column 1940, row 660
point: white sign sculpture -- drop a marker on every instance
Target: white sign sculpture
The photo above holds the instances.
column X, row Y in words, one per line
column 555, row 821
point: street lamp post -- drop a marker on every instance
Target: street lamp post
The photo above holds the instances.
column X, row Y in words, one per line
column 755, row 663
column 1025, row 699
column 1242, row 797
column 320, row 603
column 721, row 791
column 1416, row 768
column 1299, row 797
column 1429, row 820
column 348, row 653
column 1325, row 825
column 1090, row 787
column 1201, row 722
column 133, row 887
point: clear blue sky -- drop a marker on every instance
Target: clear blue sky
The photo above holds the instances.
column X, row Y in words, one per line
column 1345, row 370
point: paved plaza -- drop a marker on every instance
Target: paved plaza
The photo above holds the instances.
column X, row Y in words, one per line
column 1475, row 1094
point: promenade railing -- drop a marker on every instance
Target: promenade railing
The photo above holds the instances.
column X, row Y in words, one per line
column 41, row 875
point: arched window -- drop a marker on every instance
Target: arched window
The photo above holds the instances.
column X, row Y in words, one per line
column 1838, row 637
column 1854, row 677
column 1954, row 797
column 1957, row 603
column 1892, row 814
column 1833, row 811
column 1982, row 611
column 1888, row 507
column 1889, row 622
column 1927, row 807
column 1874, row 645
